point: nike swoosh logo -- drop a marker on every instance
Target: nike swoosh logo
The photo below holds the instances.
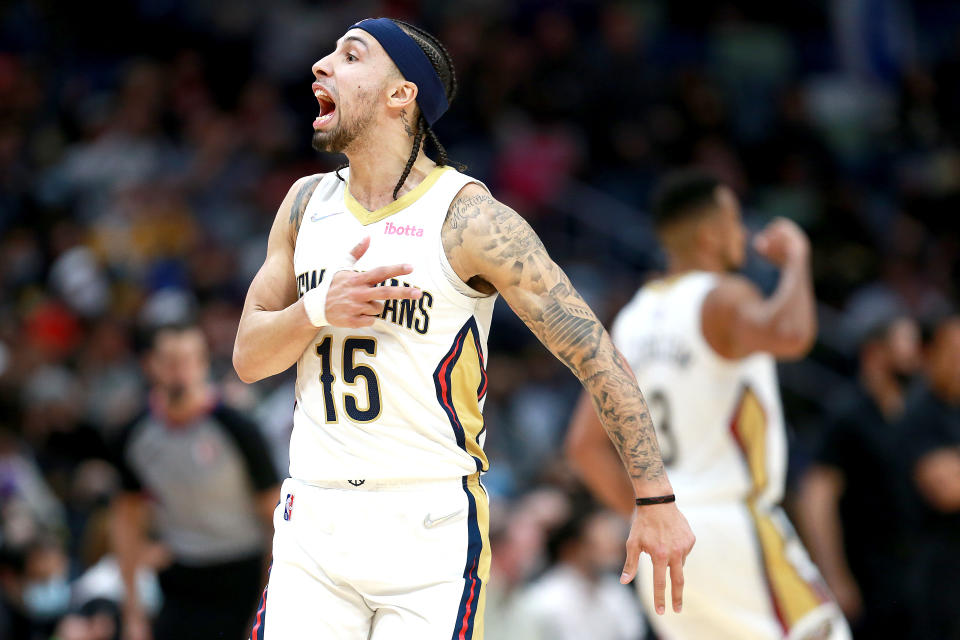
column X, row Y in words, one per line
column 429, row 522
column 314, row 217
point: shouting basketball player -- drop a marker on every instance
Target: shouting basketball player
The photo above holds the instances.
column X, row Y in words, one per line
column 703, row 343
column 379, row 283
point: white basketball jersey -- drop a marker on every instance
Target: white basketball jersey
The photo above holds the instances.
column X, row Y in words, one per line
column 401, row 399
column 719, row 422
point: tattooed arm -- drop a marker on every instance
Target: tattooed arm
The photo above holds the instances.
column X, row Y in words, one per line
column 489, row 241
column 491, row 247
column 274, row 328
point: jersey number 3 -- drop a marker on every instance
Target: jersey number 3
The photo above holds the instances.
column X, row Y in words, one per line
column 660, row 414
column 351, row 372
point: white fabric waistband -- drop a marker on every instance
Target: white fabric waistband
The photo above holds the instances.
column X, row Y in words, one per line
column 392, row 484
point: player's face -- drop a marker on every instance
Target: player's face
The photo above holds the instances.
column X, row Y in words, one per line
column 348, row 87
column 179, row 363
column 603, row 537
column 731, row 232
column 903, row 346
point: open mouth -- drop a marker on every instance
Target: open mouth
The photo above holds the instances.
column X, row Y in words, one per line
column 327, row 107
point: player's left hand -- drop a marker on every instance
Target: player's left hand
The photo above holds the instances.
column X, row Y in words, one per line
column 661, row 531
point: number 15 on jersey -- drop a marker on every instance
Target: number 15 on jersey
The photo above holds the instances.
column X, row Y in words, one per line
column 354, row 348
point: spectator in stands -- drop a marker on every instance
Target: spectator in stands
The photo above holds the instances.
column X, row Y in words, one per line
column 849, row 496
column 34, row 590
column 208, row 473
column 580, row 596
column 931, row 442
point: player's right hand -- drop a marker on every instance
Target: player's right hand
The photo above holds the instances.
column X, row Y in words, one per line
column 354, row 299
column 781, row 241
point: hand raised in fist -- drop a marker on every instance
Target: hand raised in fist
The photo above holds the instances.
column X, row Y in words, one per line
column 781, row 241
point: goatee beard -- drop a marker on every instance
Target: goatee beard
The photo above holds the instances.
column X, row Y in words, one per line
column 345, row 133
column 333, row 142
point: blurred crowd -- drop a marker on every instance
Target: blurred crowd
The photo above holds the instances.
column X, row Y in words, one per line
column 145, row 147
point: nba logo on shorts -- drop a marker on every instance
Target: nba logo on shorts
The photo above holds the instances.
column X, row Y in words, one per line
column 288, row 507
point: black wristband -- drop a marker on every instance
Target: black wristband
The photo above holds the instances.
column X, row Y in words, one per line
column 643, row 502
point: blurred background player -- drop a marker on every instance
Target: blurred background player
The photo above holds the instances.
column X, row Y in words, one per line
column 851, row 500
column 930, row 445
column 203, row 471
column 704, row 342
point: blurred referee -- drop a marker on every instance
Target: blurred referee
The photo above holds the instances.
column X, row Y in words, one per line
column 204, row 471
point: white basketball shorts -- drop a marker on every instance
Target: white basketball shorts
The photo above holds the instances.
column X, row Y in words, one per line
column 747, row 578
column 378, row 560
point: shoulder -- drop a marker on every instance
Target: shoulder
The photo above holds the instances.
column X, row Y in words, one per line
column 235, row 422
column 301, row 190
column 309, row 181
column 120, row 445
column 723, row 311
column 299, row 194
column 476, row 215
column 126, row 434
column 472, row 203
column 726, row 302
column 729, row 291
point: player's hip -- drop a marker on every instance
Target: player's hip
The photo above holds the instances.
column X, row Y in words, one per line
column 747, row 577
column 385, row 532
column 378, row 559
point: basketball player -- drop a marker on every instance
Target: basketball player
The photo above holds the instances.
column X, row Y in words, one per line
column 379, row 283
column 703, row 343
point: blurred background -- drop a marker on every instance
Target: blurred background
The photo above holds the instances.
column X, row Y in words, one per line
column 146, row 145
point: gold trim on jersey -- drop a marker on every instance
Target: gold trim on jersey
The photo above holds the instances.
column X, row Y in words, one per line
column 664, row 283
column 792, row 596
column 749, row 428
column 366, row 217
column 483, row 569
column 465, row 379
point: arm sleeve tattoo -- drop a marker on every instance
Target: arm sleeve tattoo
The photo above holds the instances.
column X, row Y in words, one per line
column 300, row 202
column 502, row 248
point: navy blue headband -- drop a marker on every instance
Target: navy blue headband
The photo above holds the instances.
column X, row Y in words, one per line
column 412, row 62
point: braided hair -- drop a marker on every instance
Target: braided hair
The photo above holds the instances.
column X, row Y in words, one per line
column 442, row 63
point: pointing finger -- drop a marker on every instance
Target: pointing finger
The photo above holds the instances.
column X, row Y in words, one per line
column 379, row 274
column 392, row 293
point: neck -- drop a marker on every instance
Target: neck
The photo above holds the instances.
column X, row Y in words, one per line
column 376, row 168
column 681, row 262
column 196, row 402
column 885, row 391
